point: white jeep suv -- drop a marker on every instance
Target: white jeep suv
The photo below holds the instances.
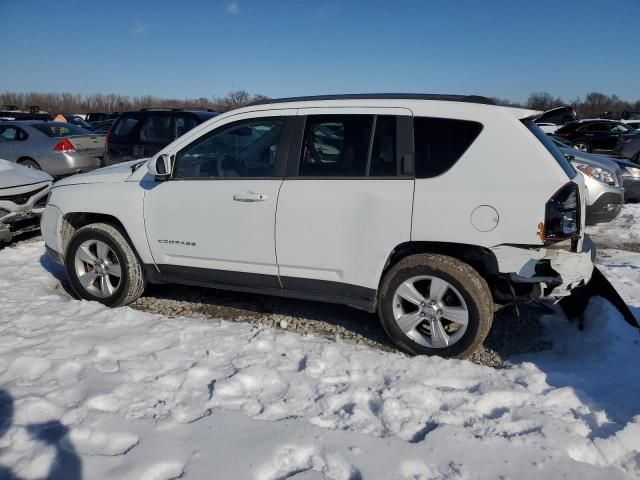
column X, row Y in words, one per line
column 424, row 208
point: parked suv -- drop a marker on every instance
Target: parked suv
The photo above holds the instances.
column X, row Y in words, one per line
column 594, row 135
column 392, row 203
column 143, row 134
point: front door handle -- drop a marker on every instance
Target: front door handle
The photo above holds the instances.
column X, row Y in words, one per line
column 250, row 197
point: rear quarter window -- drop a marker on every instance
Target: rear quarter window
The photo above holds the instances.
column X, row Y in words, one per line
column 440, row 142
column 125, row 126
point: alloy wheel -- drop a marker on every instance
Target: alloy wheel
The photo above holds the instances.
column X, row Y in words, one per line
column 430, row 311
column 97, row 268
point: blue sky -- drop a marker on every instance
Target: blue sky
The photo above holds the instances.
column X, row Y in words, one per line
column 186, row 49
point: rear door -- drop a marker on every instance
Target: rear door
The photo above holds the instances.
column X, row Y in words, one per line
column 9, row 135
column 346, row 201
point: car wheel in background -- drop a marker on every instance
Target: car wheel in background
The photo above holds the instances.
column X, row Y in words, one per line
column 435, row 305
column 582, row 146
column 102, row 266
column 30, row 163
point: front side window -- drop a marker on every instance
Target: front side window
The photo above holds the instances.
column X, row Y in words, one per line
column 336, row 146
column 243, row 149
column 440, row 142
column 621, row 128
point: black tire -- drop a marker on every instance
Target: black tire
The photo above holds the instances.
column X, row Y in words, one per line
column 469, row 285
column 131, row 282
column 581, row 141
column 30, row 163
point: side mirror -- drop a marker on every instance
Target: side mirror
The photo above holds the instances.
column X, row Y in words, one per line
column 569, row 157
column 160, row 166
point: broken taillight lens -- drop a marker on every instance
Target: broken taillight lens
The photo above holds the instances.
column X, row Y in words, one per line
column 562, row 215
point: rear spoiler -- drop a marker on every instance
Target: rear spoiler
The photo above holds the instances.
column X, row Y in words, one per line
column 523, row 113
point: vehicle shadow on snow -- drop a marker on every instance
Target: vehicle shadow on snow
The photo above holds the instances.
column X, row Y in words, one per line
column 598, row 364
column 66, row 464
column 511, row 334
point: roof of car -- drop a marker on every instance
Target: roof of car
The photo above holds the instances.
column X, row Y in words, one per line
column 386, row 96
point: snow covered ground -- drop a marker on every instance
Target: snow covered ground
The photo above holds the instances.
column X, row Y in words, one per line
column 88, row 392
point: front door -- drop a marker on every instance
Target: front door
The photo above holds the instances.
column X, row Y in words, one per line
column 213, row 221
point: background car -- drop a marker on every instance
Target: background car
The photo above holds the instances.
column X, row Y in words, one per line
column 603, row 179
column 57, row 148
column 632, row 123
column 142, row 134
column 93, row 117
column 553, row 119
column 23, row 194
column 630, row 171
column 628, row 147
column 101, row 127
column 593, row 135
column 77, row 120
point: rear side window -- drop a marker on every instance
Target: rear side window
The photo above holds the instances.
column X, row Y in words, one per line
column 184, row 123
column 159, row 129
column 336, row 146
column 59, row 129
column 125, row 126
column 440, row 142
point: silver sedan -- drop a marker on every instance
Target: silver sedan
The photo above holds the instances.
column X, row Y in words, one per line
column 57, row 148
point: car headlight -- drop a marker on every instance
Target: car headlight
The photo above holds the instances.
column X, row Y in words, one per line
column 598, row 173
column 632, row 172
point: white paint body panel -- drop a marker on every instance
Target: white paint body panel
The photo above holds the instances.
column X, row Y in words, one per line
column 341, row 230
column 228, row 235
column 335, row 230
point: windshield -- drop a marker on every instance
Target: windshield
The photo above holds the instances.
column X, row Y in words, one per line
column 551, row 147
column 59, row 129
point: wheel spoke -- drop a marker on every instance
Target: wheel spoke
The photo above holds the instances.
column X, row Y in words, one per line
column 409, row 293
column 457, row 315
column 114, row 269
column 437, row 289
column 409, row 321
column 439, row 338
column 88, row 278
column 85, row 255
column 105, row 286
column 102, row 250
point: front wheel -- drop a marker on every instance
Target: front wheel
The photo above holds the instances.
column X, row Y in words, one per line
column 102, row 266
column 435, row 305
column 582, row 146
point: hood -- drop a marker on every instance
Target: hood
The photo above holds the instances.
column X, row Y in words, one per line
column 117, row 173
column 14, row 175
column 591, row 159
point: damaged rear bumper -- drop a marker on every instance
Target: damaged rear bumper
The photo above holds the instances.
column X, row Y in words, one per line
column 557, row 270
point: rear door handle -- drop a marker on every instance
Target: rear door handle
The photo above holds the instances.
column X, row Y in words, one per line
column 250, row 197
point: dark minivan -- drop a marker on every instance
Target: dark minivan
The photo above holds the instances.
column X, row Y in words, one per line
column 142, row 134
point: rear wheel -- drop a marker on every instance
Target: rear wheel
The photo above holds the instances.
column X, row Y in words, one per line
column 102, row 266
column 30, row 163
column 582, row 145
column 435, row 305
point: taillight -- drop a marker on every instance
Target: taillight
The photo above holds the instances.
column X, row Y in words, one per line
column 64, row 146
column 562, row 215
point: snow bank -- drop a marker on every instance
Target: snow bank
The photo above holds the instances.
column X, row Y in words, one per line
column 101, row 393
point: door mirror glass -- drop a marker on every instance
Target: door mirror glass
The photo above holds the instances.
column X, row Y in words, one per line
column 160, row 166
column 570, row 157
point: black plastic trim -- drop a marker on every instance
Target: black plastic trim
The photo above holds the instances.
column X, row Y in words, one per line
column 386, row 96
column 301, row 288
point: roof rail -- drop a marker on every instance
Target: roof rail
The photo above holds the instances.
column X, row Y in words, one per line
column 387, row 96
column 181, row 109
